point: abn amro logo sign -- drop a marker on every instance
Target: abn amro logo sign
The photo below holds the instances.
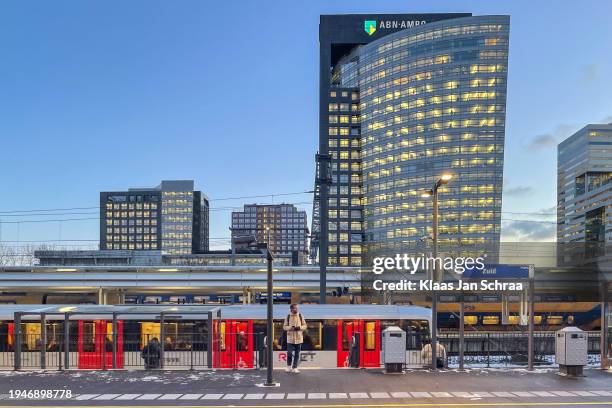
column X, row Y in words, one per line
column 369, row 26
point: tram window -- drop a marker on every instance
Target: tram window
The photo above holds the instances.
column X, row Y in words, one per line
column 312, row 336
column 149, row 330
column 88, row 336
column 489, row 320
column 330, row 335
column 417, row 333
column 370, row 336
column 54, row 336
column 222, row 328
column 6, row 341
column 571, row 319
column 242, row 342
column 278, row 336
column 537, row 319
column 471, row 320
column 346, row 336
column 555, row 320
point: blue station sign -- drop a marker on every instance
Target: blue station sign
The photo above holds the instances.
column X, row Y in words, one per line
column 498, row 271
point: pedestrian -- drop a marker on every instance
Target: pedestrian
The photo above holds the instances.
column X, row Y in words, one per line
column 440, row 355
column 294, row 325
column 151, row 353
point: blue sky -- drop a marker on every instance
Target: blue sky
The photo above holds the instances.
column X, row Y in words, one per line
column 105, row 95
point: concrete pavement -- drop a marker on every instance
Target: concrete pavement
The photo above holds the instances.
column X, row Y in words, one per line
column 318, row 388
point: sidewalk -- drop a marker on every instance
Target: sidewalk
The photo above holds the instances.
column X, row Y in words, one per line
column 311, row 387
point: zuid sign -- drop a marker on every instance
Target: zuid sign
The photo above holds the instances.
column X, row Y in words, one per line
column 370, row 26
column 499, row 272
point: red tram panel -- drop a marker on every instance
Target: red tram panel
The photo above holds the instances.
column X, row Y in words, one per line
column 95, row 347
column 235, row 347
column 369, row 342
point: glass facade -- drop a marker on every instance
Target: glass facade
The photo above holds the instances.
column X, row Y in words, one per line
column 172, row 218
column 130, row 221
column 431, row 100
column 584, row 186
column 345, row 208
column 282, row 226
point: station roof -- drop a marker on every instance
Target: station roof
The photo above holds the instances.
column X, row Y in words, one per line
column 106, row 311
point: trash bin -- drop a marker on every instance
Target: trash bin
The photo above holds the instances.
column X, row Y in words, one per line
column 394, row 349
column 571, row 345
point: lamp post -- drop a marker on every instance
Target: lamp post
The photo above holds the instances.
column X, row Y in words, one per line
column 270, row 315
column 444, row 179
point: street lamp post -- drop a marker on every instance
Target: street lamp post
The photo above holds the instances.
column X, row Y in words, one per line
column 444, row 179
column 270, row 315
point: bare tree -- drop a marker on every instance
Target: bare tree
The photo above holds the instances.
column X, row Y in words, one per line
column 22, row 255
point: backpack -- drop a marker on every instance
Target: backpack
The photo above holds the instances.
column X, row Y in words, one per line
column 301, row 318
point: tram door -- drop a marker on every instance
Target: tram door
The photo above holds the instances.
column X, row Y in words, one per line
column 95, row 344
column 370, row 343
column 368, row 347
column 346, row 332
column 235, row 344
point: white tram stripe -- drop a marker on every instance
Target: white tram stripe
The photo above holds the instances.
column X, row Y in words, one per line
column 127, row 397
column 275, row 395
column 85, row 397
column 379, row 395
column 603, row 393
column 148, row 397
column 191, row 396
column 401, row 394
column 502, row 394
column 296, row 395
column 563, row 394
column 584, row 393
column 359, row 395
column 522, row 394
column 482, row 394
column 421, row 394
column 441, row 394
column 169, row 397
column 336, row 395
column 212, row 396
column 233, row 396
column 254, row 396
column 106, row 397
column 462, row 394
column 543, row 394
column 317, row 395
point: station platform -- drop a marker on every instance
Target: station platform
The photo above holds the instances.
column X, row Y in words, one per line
column 317, row 388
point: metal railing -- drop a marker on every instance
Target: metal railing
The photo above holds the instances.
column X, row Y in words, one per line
column 198, row 350
column 492, row 349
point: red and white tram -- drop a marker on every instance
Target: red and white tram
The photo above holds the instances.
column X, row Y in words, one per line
column 238, row 335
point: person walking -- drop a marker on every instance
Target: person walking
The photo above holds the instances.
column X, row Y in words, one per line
column 294, row 325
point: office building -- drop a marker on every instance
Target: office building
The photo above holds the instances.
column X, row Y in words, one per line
column 584, row 186
column 171, row 217
column 404, row 99
column 282, row 226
